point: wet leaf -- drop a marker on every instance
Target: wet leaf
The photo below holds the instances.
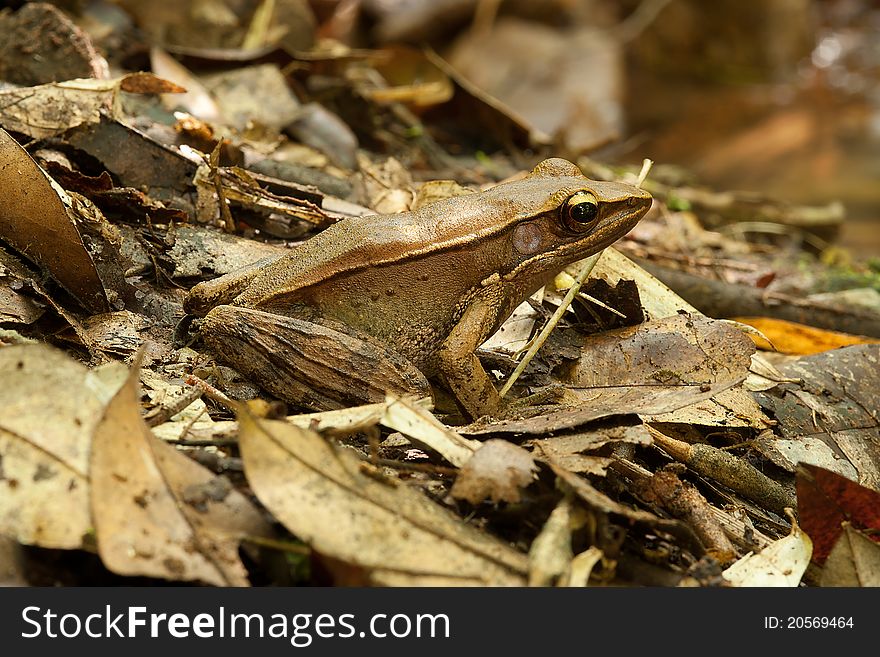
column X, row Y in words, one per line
column 157, row 512
column 319, row 493
column 497, row 471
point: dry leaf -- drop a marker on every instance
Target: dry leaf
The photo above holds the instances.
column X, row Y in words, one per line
column 550, row 554
column 48, row 110
column 496, row 471
column 827, row 502
column 782, row 563
column 833, row 400
column 657, row 300
column 35, row 220
column 427, row 431
column 157, row 512
column 582, row 566
column 319, row 493
column 568, row 451
column 49, row 406
column 793, row 338
column 854, row 561
column 655, row 367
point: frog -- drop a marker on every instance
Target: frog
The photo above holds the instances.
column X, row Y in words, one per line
column 384, row 304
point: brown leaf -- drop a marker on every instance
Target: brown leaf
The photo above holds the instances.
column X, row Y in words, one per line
column 158, row 513
column 497, row 471
column 830, row 410
column 148, row 83
column 854, row 560
column 826, row 501
column 49, row 406
column 319, row 493
column 655, row 367
column 568, row 451
column 35, row 220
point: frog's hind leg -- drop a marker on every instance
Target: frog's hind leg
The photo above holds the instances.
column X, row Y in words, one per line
column 308, row 363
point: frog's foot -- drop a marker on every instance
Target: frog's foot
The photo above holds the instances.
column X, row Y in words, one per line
column 307, row 363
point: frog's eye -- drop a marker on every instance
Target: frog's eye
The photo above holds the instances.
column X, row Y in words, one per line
column 580, row 212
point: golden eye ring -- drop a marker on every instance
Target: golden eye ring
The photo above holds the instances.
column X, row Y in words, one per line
column 580, row 212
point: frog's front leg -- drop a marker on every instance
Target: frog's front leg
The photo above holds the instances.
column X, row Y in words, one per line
column 303, row 360
column 462, row 370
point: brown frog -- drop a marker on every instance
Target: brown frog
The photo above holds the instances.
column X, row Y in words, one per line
column 379, row 303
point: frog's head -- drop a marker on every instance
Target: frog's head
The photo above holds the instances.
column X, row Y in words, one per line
column 562, row 216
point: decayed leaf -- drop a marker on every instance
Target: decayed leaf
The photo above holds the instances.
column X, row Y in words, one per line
column 657, row 300
column 497, row 471
column 550, row 554
column 854, row 561
column 50, row 109
column 780, row 564
column 319, row 493
column 568, row 451
column 49, row 406
column 652, row 368
column 826, row 501
column 833, row 399
column 34, row 219
column 158, row 513
column 661, row 358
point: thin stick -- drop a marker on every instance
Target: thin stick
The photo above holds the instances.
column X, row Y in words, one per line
column 589, row 263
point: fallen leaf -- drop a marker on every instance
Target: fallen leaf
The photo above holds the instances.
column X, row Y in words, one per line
column 34, row 219
column 569, row 450
column 157, row 512
column 319, row 493
column 649, row 369
column 550, row 554
column 427, row 431
column 832, row 399
column 49, row 407
column 826, row 501
column 497, row 471
column 782, row 563
column 48, row 110
column 793, row 338
column 582, row 566
column 854, row 561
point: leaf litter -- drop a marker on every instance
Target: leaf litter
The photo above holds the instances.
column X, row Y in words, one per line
column 291, row 135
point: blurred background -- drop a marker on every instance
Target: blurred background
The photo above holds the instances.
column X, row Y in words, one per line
column 776, row 97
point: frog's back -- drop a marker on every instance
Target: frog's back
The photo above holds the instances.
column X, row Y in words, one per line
column 365, row 242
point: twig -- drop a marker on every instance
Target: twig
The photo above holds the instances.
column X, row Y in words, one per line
column 588, row 265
